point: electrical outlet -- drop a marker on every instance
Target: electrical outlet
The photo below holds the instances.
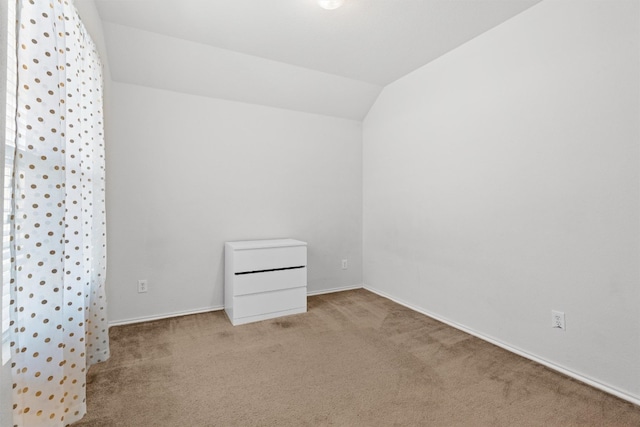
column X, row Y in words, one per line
column 143, row 286
column 557, row 320
column 345, row 264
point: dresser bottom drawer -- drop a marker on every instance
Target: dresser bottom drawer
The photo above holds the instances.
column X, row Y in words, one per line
column 261, row 306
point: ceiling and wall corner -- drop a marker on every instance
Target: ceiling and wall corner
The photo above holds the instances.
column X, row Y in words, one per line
column 288, row 54
column 163, row 62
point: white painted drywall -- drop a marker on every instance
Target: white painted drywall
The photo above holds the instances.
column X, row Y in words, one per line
column 155, row 60
column 367, row 41
column 501, row 181
column 187, row 173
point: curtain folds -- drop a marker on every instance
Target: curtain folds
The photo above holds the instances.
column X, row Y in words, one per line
column 58, row 307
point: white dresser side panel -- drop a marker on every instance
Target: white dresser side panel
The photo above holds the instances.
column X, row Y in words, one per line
column 228, row 280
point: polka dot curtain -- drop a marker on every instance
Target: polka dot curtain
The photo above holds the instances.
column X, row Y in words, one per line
column 58, row 309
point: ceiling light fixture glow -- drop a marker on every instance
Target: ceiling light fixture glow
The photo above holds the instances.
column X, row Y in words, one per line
column 330, row 4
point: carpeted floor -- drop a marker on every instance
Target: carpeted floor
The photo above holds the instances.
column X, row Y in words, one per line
column 355, row 359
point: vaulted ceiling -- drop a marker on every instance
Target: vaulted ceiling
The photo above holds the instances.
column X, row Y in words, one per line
column 288, row 53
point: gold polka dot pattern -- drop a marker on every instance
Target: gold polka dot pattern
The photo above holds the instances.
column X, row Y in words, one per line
column 58, row 319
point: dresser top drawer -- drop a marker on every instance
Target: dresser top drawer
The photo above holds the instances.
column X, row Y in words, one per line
column 263, row 244
column 255, row 260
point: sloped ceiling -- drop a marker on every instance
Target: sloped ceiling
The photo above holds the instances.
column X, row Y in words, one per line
column 288, row 53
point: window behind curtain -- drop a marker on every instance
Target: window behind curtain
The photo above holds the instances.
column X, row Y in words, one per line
column 9, row 141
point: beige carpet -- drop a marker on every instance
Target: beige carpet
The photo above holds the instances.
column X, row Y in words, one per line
column 355, row 359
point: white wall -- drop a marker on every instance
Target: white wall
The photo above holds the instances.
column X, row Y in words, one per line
column 204, row 70
column 501, row 181
column 187, row 173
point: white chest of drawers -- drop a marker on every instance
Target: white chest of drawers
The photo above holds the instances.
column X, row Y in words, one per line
column 264, row 279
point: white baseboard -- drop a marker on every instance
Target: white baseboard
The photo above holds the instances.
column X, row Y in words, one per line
column 215, row 308
column 332, row 290
column 593, row 383
column 164, row 316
